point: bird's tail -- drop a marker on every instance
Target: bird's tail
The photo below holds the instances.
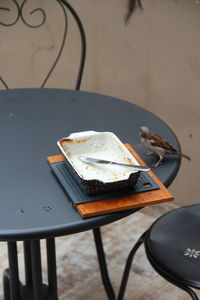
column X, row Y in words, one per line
column 185, row 156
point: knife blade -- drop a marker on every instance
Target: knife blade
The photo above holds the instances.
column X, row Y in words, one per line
column 87, row 159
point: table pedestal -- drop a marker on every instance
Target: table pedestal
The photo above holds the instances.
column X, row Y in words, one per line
column 33, row 289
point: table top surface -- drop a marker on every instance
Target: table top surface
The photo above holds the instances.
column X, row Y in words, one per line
column 33, row 203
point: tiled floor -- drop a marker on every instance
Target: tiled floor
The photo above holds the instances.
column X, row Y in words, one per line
column 77, row 268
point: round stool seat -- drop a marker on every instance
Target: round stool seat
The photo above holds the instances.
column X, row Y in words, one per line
column 173, row 243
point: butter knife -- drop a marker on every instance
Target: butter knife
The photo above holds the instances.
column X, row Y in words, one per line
column 87, row 159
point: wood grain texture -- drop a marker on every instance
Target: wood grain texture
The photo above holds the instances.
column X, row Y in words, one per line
column 131, row 201
column 55, row 158
column 111, row 205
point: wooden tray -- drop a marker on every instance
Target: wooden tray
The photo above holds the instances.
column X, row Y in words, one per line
column 101, row 207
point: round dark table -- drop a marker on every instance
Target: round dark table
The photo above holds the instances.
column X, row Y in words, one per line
column 33, row 204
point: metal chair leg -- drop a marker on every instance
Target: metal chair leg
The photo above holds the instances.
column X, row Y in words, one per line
column 185, row 288
column 188, row 290
column 128, row 267
column 102, row 264
column 192, row 294
column 169, row 277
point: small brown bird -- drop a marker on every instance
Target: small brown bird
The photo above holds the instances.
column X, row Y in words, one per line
column 158, row 145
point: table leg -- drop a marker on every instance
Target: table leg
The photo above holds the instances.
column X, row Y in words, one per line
column 51, row 263
column 36, row 269
column 6, row 284
column 128, row 267
column 34, row 289
column 11, row 276
column 27, row 263
column 102, row 264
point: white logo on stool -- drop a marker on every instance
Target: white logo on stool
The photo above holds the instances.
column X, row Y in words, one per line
column 192, row 253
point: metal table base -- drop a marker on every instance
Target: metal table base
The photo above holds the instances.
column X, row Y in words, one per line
column 34, row 288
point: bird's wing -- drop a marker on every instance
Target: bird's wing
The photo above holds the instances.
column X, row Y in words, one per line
column 157, row 141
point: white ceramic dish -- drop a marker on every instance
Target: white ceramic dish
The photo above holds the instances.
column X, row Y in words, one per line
column 103, row 145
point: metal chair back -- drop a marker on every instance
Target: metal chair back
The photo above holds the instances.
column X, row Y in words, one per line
column 18, row 13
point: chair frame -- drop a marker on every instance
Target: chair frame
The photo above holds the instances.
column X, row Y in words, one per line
column 65, row 6
column 32, row 256
column 161, row 270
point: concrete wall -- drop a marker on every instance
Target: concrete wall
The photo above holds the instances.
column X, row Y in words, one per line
column 154, row 62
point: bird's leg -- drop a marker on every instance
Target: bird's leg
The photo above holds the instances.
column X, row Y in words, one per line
column 150, row 153
column 159, row 162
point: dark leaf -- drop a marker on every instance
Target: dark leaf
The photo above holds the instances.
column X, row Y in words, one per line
column 132, row 5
